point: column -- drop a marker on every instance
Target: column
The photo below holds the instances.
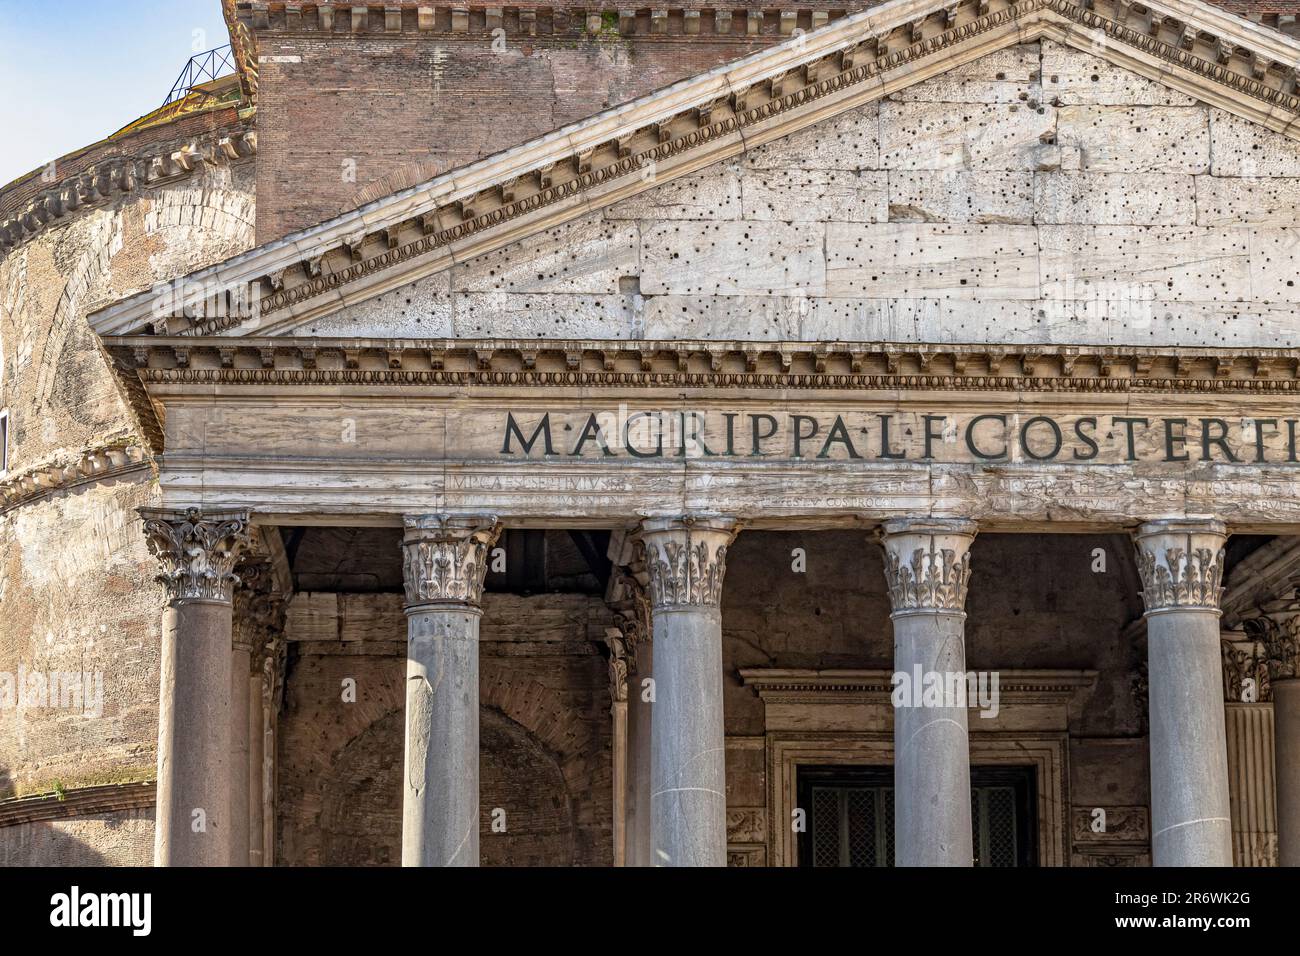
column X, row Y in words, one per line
column 927, row 569
column 618, row 670
column 1279, row 629
column 258, row 619
column 686, row 560
column 1181, row 564
column 444, row 561
column 631, row 604
column 273, row 668
column 197, row 554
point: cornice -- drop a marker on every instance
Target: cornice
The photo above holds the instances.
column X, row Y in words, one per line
column 80, row 802
column 443, row 19
column 106, row 180
column 91, row 465
column 679, row 129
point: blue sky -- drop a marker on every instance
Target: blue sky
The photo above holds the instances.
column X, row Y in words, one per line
column 74, row 71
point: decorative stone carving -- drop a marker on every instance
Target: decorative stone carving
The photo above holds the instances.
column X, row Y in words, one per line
column 1181, row 564
column 197, row 552
column 927, row 563
column 686, row 559
column 1245, row 667
column 1277, row 629
column 631, row 606
column 259, row 609
column 444, row 558
column 618, row 664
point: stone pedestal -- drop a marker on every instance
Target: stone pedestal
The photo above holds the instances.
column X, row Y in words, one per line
column 194, row 824
column 1181, row 564
column 927, row 567
column 444, row 561
column 686, row 560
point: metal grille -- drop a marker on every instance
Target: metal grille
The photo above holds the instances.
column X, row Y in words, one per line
column 853, row 825
column 825, row 825
column 999, row 822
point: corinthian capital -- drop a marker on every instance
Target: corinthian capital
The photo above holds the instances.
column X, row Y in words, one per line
column 1277, row 628
column 1181, row 564
column 444, row 558
column 686, row 559
column 259, row 608
column 197, row 552
column 927, row 564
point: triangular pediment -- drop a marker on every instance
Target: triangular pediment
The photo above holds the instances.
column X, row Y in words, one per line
column 279, row 289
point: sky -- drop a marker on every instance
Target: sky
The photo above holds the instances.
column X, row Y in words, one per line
column 74, row 71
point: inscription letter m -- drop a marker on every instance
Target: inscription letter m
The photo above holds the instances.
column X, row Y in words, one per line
column 543, row 429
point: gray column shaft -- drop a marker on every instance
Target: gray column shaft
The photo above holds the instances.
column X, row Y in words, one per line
column 688, row 799
column 194, row 736
column 440, row 793
column 1190, row 818
column 1286, row 748
column 240, row 780
column 932, row 824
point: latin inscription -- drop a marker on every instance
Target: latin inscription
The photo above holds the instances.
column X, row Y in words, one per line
column 984, row 437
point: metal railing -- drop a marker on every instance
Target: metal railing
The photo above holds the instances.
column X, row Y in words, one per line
column 201, row 69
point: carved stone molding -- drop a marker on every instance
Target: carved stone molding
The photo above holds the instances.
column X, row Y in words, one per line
column 686, row 559
column 98, row 184
column 1181, row 564
column 93, row 464
column 259, row 610
column 444, row 558
column 618, row 664
column 1245, row 669
column 631, row 604
column 197, row 551
column 1277, row 630
column 927, row 564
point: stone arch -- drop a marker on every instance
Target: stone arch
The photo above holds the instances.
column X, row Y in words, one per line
column 360, row 809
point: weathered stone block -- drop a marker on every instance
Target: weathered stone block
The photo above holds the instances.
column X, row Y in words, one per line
column 958, row 195
column 711, row 194
column 732, row 258
column 1260, row 201
column 1137, row 139
column 1131, row 262
column 586, row 256
column 1073, row 78
column 848, row 141
column 815, row 195
column 549, row 316
column 1242, row 148
column 1004, row 76
column 902, row 259
column 979, row 136
column 1275, row 268
column 1131, row 198
column 725, row 317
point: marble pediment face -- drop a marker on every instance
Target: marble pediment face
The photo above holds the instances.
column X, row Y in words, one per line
column 1036, row 174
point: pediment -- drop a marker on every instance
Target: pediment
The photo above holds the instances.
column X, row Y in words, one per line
column 579, row 171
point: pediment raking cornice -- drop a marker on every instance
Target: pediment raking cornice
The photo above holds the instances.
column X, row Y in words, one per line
column 1185, row 44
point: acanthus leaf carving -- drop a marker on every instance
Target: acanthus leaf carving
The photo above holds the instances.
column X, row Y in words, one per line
column 197, row 553
column 445, row 558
